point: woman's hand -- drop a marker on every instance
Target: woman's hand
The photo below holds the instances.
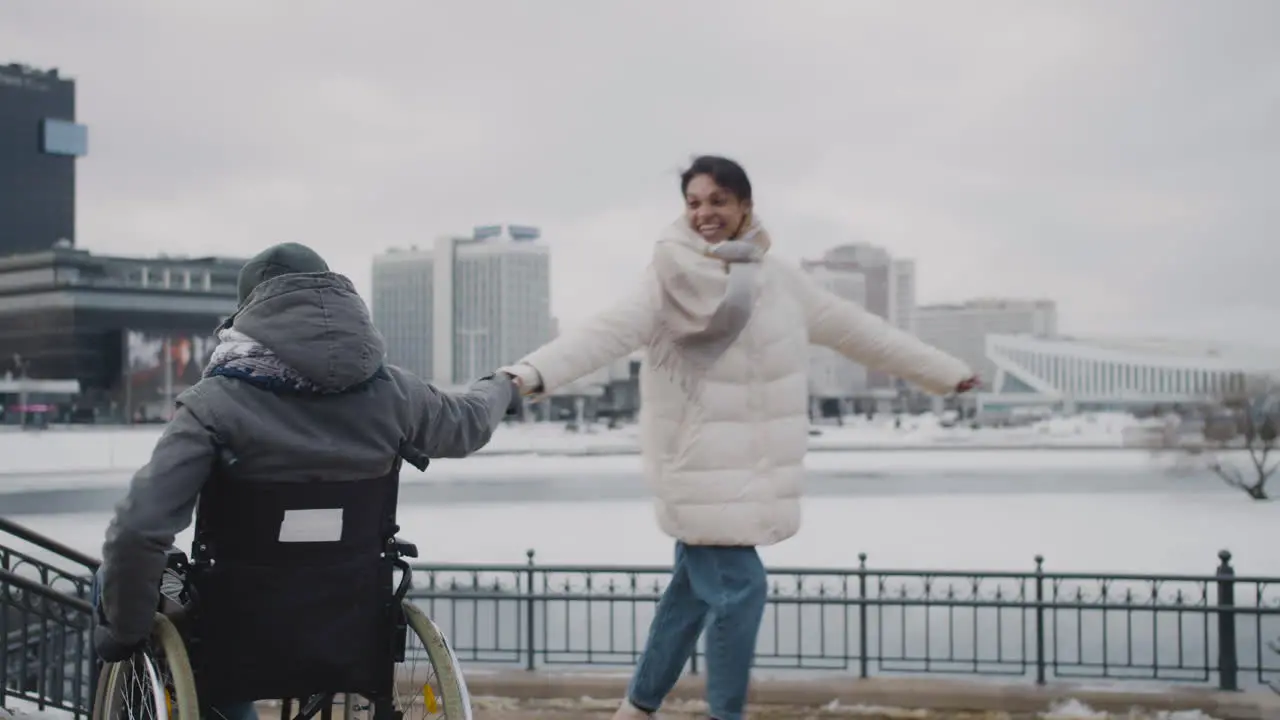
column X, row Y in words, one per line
column 515, row 380
column 969, row 384
column 526, row 378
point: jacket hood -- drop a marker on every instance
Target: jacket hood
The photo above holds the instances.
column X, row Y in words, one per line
column 317, row 325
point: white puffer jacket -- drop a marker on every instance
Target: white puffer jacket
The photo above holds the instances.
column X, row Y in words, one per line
column 727, row 466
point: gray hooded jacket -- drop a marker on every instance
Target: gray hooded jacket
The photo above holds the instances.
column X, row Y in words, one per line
column 354, row 416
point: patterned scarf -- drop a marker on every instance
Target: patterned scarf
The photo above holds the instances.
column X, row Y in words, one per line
column 705, row 305
column 243, row 358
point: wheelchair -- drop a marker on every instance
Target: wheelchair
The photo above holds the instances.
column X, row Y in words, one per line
column 255, row 615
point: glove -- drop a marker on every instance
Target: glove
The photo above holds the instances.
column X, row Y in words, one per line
column 516, row 407
column 110, row 649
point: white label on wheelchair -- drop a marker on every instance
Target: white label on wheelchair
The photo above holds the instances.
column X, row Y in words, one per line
column 323, row 525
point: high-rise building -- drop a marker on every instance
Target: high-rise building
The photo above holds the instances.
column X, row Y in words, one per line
column 402, row 307
column 39, row 143
column 890, row 288
column 962, row 329
column 88, row 337
column 466, row 305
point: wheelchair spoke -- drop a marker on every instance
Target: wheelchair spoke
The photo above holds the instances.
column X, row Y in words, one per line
column 418, row 694
column 141, row 694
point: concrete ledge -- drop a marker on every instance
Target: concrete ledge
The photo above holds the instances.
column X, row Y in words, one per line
column 907, row 693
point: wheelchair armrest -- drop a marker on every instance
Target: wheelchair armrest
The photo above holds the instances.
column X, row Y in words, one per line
column 404, row 549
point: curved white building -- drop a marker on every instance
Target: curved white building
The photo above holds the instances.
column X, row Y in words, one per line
column 1107, row 374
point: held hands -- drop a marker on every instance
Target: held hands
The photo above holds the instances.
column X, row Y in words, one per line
column 527, row 379
column 515, row 380
column 516, row 407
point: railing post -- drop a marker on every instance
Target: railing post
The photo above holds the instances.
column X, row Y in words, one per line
column 4, row 640
column 529, row 614
column 1040, row 662
column 1228, row 662
column 863, row 665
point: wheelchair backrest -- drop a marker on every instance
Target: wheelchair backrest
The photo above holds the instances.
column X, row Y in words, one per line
column 294, row 522
column 292, row 586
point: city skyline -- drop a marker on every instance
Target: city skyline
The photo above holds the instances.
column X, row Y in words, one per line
column 1116, row 157
column 455, row 310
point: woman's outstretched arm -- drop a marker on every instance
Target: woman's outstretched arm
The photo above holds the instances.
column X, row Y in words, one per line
column 612, row 334
column 867, row 339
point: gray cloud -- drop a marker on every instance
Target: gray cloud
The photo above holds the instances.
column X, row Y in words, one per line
column 1120, row 157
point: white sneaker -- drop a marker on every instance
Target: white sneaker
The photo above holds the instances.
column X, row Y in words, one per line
column 631, row 712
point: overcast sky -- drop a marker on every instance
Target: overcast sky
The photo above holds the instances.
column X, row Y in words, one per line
column 1119, row 156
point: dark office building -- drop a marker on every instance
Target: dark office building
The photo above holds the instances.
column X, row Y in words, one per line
column 39, row 144
column 133, row 332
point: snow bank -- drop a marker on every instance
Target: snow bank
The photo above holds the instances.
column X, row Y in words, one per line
column 78, row 450
column 1091, row 430
column 20, row 709
column 1076, row 710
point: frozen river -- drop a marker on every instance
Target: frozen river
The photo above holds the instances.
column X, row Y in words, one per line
column 1084, row 510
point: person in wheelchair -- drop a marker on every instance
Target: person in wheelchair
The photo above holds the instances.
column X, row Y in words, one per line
column 291, row 445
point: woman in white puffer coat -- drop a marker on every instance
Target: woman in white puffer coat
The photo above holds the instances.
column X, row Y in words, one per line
column 723, row 415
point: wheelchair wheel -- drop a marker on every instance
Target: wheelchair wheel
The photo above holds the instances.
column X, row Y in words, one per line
column 429, row 683
column 156, row 683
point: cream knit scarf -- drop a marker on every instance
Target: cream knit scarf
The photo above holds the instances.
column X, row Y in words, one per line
column 707, row 296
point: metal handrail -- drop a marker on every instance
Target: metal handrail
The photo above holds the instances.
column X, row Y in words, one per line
column 26, row 584
column 44, row 542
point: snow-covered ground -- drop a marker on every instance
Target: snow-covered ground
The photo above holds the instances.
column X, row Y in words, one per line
column 102, row 449
column 27, row 710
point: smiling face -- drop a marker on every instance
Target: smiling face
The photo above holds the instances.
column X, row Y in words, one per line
column 713, row 212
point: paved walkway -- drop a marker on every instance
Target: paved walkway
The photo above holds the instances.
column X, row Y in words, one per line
column 558, row 694
column 518, row 695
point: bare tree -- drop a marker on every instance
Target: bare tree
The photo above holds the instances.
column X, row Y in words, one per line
column 1246, row 422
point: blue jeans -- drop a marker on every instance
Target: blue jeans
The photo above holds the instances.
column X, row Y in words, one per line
column 724, row 588
column 229, row 711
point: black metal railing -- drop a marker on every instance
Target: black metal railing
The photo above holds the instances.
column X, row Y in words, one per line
column 1037, row 626
column 45, row 622
column 58, row 566
column 46, row 657
column 1212, row 629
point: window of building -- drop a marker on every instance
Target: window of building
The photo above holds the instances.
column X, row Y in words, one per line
column 60, row 137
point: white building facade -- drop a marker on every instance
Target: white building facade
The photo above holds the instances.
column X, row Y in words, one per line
column 402, row 307
column 962, row 329
column 1071, row 374
column 467, row 305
